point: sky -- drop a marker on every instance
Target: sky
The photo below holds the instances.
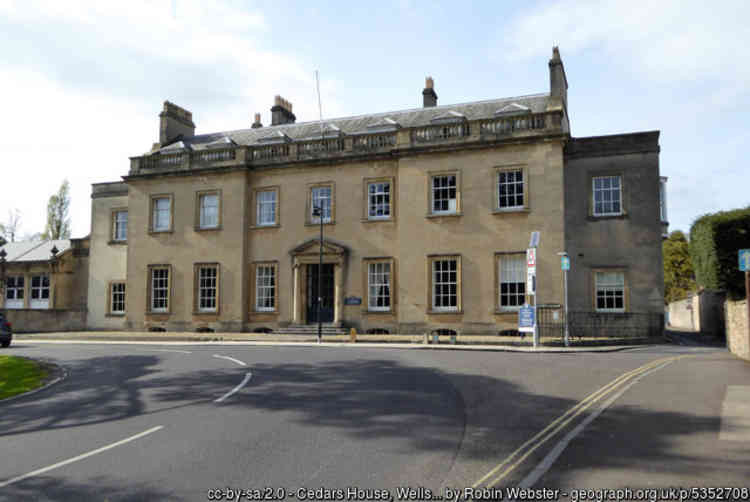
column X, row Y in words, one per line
column 82, row 83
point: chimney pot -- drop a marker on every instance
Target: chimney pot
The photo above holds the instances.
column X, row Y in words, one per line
column 256, row 123
column 281, row 112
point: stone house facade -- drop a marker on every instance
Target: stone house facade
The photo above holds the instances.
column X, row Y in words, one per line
column 45, row 284
column 426, row 217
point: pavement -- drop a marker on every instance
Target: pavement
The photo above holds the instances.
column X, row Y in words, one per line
column 171, row 421
column 464, row 342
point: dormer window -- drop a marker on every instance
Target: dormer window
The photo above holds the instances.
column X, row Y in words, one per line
column 277, row 137
column 512, row 109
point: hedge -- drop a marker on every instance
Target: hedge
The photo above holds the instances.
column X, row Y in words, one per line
column 714, row 241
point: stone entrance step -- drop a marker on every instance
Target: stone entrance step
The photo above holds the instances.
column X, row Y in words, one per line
column 310, row 329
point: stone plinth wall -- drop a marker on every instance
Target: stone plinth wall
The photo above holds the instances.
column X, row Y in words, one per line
column 738, row 340
column 45, row 321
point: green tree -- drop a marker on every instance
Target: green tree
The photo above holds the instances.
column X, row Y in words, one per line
column 679, row 278
column 58, row 222
column 9, row 229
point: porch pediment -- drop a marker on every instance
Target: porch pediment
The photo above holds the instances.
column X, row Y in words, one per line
column 311, row 247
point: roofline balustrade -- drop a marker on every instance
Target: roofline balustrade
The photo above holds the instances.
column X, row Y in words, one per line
column 494, row 129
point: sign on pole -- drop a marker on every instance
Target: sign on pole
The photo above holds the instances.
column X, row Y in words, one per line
column 526, row 319
column 531, row 259
column 744, row 256
column 565, row 263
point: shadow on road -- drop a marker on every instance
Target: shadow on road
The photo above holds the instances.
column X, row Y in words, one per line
column 46, row 488
column 471, row 416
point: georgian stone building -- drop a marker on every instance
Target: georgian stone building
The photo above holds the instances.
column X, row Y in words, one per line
column 426, row 218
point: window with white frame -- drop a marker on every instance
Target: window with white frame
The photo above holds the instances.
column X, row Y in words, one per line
column 266, row 207
column 209, row 210
column 162, row 214
column 510, row 189
column 322, row 198
column 444, row 194
column 610, row 291
column 607, row 192
column 663, row 198
column 265, row 288
column 120, row 227
column 512, row 281
column 379, row 200
column 445, row 284
column 14, row 292
column 159, row 289
column 117, row 298
column 208, row 276
column 379, row 286
column 40, row 291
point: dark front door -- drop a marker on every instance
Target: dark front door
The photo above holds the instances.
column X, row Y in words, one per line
column 326, row 292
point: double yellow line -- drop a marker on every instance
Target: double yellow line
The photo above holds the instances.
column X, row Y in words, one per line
column 517, row 457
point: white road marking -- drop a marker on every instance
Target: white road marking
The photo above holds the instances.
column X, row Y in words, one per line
column 79, row 457
column 735, row 414
column 555, row 453
column 231, row 359
column 247, row 378
column 169, row 350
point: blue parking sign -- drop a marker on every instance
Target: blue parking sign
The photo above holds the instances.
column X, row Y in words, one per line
column 526, row 319
column 565, row 263
column 744, row 256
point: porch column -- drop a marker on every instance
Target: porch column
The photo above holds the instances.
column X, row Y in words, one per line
column 295, row 294
column 338, row 294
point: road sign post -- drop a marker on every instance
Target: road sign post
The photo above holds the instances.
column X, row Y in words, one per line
column 744, row 259
column 565, row 266
column 532, row 278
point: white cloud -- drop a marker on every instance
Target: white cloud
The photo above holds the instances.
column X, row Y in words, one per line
column 665, row 40
column 81, row 85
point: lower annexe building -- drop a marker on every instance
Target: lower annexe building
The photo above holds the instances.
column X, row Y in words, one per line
column 426, row 216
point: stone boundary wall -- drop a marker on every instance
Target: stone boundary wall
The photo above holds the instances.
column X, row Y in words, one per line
column 738, row 340
column 45, row 321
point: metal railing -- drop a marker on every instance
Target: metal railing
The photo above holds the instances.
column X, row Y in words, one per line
column 551, row 322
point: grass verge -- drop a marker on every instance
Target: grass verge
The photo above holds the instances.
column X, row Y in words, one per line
column 18, row 375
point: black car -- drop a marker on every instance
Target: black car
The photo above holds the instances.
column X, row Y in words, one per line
column 6, row 335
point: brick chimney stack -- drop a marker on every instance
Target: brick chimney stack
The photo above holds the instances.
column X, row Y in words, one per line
column 257, row 123
column 174, row 122
column 281, row 112
column 558, row 83
column 429, row 96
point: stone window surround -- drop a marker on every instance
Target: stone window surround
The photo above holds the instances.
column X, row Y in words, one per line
column 626, row 287
column 624, row 206
column 254, row 206
column 366, row 218
column 152, row 207
column 220, row 206
column 459, row 205
column 170, row 283
column 366, row 285
column 459, row 274
column 496, row 209
column 28, row 276
column 308, row 206
column 113, row 226
column 109, row 311
column 499, row 309
column 254, row 285
column 196, row 288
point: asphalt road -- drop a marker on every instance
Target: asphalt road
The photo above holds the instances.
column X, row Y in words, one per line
column 145, row 422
